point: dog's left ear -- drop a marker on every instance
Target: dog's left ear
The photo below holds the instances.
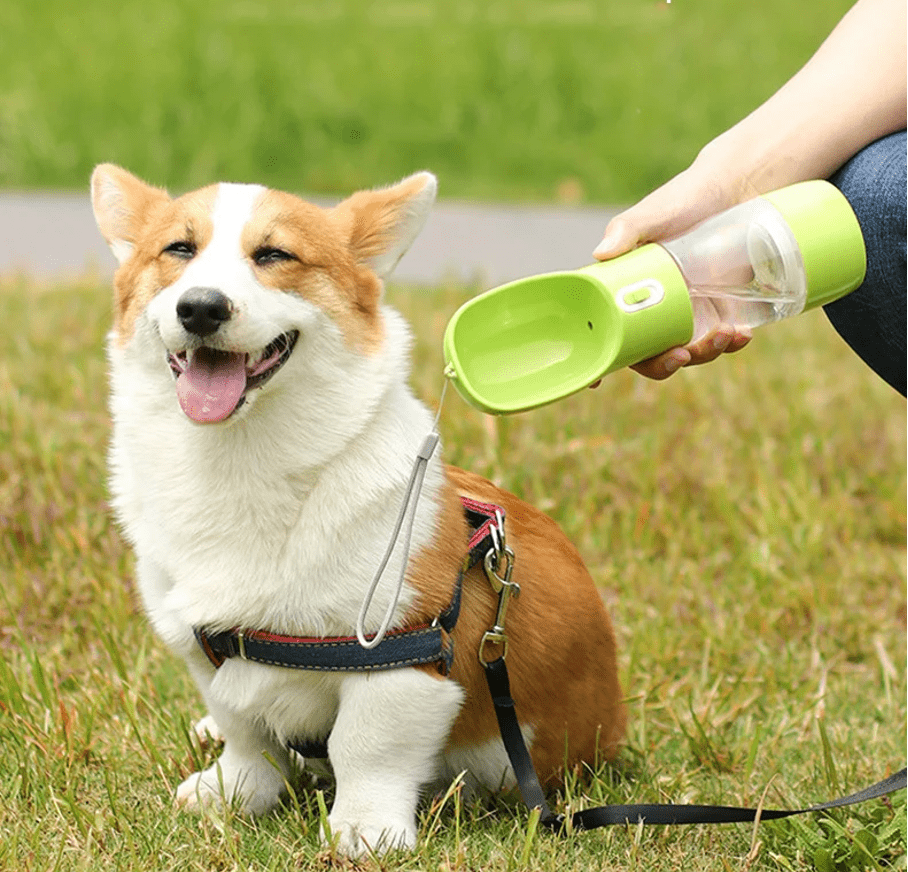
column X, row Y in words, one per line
column 382, row 224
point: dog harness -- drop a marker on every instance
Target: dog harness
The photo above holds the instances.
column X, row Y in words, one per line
column 408, row 646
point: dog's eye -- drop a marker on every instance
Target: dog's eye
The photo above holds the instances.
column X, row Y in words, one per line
column 267, row 254
column 182, row 249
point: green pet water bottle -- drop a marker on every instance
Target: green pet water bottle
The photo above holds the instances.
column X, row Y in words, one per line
column 536, row 340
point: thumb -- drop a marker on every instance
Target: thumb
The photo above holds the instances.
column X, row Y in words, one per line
column 620, row 236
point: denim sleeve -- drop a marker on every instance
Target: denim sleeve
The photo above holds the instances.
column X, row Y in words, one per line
column 872, row 319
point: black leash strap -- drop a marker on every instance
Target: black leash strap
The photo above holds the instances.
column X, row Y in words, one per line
column 719, row 814
column 527, row 781
column 608, row 815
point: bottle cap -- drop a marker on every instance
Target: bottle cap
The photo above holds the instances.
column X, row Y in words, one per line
column 536, row 340
column 829, row 238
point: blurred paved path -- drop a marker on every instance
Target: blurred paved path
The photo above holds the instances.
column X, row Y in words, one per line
column 53, row 235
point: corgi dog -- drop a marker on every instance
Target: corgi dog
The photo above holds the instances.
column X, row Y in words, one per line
column 263, row 437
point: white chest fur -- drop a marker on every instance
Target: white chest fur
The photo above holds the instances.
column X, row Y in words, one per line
column 278, row 520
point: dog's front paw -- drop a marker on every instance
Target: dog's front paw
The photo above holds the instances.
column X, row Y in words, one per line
column 255, row 790
column 357, row 836
column 208, row 732
column 196, row 792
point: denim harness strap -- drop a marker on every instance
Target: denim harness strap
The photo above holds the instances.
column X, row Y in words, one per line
column 413, row 646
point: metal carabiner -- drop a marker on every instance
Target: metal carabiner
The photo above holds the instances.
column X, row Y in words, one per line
column 505, row 588
column 492, row 563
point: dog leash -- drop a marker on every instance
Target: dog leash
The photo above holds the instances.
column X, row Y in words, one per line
column 646, row 813
column 498, row 562
column 531, row 791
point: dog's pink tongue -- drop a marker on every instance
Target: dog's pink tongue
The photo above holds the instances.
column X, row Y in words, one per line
column 211, row 385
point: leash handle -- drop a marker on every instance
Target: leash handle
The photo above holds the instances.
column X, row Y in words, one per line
column 413, row 491
column 414, row 488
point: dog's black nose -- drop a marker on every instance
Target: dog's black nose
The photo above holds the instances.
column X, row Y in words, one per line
column 202, row 310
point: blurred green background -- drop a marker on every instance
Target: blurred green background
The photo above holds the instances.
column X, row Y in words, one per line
column 521, row 100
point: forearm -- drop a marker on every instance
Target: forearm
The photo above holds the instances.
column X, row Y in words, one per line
column 850, row 93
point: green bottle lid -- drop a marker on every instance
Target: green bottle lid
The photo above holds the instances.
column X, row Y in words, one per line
column 829, row 238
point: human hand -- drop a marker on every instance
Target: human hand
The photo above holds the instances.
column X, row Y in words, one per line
column 689, row 198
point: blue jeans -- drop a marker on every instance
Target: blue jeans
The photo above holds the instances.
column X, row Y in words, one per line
column 872, row 318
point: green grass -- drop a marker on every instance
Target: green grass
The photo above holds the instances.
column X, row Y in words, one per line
column 512, row 99
column 746, row 523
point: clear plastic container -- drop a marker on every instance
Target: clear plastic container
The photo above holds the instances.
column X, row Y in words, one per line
column 742, row 268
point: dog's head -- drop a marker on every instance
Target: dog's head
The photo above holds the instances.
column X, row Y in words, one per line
column 226, row 285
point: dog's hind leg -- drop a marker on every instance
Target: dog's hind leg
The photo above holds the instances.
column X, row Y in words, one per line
column 385, row 745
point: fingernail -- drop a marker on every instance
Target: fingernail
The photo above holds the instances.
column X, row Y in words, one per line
column 672, row 365
column 607, row 246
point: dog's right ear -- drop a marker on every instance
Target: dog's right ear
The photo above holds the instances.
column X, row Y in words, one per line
column 121, row 201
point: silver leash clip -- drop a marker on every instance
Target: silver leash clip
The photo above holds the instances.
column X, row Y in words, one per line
column 499, row 565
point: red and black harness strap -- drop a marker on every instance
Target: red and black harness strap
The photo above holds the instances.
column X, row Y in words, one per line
column 481, row 517
column 411, row 646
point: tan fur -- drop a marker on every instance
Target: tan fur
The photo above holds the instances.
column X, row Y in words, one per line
column 155, row 222
column 561, row 658
column 370, row 217
column 326, row 264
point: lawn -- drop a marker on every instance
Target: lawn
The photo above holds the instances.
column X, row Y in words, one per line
column 511, row 99
column 746, row 524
